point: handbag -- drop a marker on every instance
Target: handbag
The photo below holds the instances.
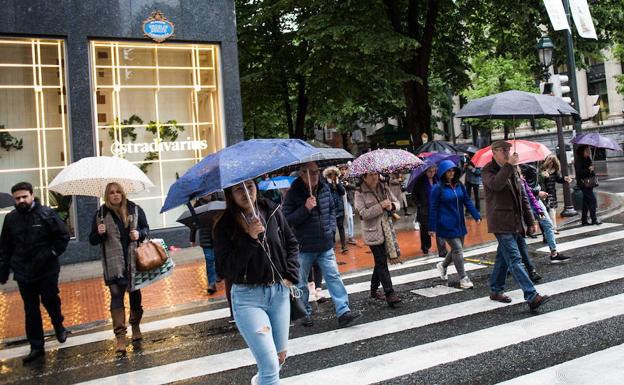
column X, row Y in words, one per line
column 589, row 182
column 150, row 255
column 297, row 308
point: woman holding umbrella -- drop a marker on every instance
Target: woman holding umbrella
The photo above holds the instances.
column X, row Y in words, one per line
column 586, row 181
column 421, row 194
column 258, row 252
column 118, row 226
column 550, row 175
column 446, row 218
column 374, row 202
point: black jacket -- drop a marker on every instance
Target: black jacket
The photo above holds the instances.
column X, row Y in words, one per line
column 581, row 168
column 530, row 175
column 31, row 244
column 421, row 197
column 241, row 259
column 315, row 229
column 337, row 192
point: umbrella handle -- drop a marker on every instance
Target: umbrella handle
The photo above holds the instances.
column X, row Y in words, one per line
column 193, row 213
column 253, row 209
column 309, row 181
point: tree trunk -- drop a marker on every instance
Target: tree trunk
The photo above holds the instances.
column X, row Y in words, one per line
column 302, row 108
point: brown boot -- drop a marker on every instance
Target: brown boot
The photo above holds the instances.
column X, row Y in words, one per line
column 119, row 327
column 392, row 299
column 135, row 320
column 377, row 294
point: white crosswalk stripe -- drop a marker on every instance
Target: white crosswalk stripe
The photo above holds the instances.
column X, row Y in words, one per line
column 583, row 297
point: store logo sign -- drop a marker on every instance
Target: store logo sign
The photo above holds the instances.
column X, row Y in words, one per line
column 118, row 148
column 157, row 27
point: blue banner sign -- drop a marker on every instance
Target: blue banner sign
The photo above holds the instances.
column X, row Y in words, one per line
column 157, row 27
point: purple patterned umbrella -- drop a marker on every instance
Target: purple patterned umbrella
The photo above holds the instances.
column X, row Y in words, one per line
column 384, row 161
column 594, row 139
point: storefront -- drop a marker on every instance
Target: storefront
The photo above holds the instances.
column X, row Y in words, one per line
column 93, row 78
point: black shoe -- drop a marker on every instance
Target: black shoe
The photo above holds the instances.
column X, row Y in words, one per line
column 33, row 355
column 307, row 321
column 532, row 236
column 558, row 258
column 585, row 223
column 212, row 289
column 348, row 318
column 544, row 241
column 61, row 334
column 597, row 222
column 534, row 276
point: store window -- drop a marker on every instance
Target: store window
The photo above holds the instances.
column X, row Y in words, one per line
column 34, row 136
column 157, row 105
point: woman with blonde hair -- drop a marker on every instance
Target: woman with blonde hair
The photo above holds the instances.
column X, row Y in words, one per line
column 550, row 175
column 118, row 226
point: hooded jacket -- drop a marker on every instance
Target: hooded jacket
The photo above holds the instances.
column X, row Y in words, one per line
column 447, row 202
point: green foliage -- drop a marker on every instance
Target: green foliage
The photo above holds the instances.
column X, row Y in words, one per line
column 167, row 132
column 618, row 53
column 61, row 204
column 8, row 142
column 126, row 132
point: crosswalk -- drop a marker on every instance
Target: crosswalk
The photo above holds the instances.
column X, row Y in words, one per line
column 426, row 340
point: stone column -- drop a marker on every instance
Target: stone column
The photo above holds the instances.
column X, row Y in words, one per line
column 616, row 101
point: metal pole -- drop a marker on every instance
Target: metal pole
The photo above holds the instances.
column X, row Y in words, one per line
column 572, row 66
column 568, row 210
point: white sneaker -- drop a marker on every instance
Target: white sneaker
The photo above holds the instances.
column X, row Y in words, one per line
column 442, row 271
column 465, row 283
column 311, row 292
column 416, row 226
column 254, row 379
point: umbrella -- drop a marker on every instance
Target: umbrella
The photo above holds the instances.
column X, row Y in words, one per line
column 278, row 182
column 433, row 159
column 594, row 139
column 329, row 156
column 437, row 146
column 527, row 151
column 384, row 161
column 6, row 200
column 467, row 148
column 235, row 164
column 204, row 214
column 89, row 176
column 517, row 105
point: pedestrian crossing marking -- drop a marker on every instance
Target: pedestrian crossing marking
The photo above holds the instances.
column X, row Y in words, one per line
column 436, row 291
column 231, row 360
column 414, row 359
column 591, row 241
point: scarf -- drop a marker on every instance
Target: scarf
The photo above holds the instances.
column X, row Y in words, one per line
column 113, row 261
column 390, row 239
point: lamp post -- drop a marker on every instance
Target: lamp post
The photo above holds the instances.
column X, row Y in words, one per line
column 545, row 48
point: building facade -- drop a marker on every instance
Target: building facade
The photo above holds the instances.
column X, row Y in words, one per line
column 154, row 82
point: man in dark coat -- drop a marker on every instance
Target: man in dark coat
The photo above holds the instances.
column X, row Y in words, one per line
column 509, row 218
column 309, row 209
column 33, row 237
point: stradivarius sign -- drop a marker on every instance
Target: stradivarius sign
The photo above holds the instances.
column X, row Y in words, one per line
column 157, row 27
column 118, row 148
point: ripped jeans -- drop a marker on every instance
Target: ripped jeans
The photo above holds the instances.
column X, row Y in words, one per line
column 262, row 315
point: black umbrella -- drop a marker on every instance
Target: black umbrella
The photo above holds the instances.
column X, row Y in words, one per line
column 204, row 215
column 467, row 148
column 438, row 146
column 6, row 200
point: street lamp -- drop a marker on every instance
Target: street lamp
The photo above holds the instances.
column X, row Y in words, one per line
column 545, row 48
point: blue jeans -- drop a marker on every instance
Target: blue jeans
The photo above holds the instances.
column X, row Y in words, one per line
column 262, row 315
column 547, row 228
column 211, row 271
column 511, row 247
column 327, row 262
column 349, row 217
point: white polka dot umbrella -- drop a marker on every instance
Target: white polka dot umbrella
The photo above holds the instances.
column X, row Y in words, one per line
column 89, row 176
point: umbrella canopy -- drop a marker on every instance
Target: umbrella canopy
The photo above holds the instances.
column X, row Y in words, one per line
column 204, row 214
column 384, row 161
column 89, row 176
column 235, row 164
column 329, row 156
column 467, row 148
column 437, row 146
column 6, row 200
column 517, row 105
column 527, row 151
column 278, row 182
column 433, row 159
column 594, row 139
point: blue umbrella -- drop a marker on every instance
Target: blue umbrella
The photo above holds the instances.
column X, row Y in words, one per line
column 235, row 164
column 432, row 160
column 276, row 183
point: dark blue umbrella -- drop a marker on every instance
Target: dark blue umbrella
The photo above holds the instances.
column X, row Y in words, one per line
column 235, row 164
column 432, row 160
column 594, row 139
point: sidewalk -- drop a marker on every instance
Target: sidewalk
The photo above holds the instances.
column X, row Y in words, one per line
column 85, row 298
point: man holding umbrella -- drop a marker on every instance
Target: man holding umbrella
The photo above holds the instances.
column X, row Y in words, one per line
column 509, row 217
column 33, row 237
column 309, row 208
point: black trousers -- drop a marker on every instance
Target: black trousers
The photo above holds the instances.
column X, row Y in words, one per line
column 341, row 231
column 425, row 238
column 46, row 292
column 381, row 274
column 589, row 204
column 474, row 189
column 316, row 275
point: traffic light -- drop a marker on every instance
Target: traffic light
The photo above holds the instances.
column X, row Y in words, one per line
column 561, row 87
column 591, row 109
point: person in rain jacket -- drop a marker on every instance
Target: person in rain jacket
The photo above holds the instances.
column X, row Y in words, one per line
column 446, row 218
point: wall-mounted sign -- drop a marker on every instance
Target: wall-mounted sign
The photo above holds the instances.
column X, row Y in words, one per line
column 157, row 27
column 118, row 148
